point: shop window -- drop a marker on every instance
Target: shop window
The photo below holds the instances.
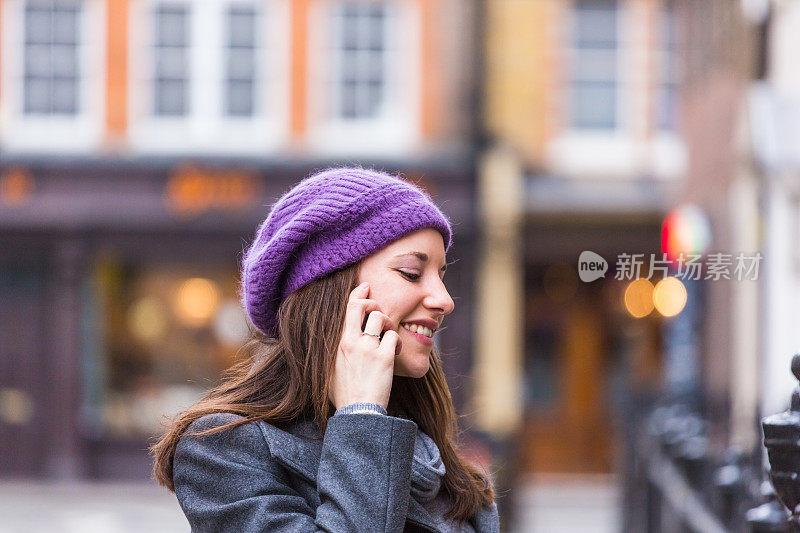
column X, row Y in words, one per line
column 163, row 335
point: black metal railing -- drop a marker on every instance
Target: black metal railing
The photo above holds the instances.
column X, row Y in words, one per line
column 676, row 484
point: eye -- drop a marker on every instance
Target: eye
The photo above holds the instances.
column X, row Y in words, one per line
column 409, row 275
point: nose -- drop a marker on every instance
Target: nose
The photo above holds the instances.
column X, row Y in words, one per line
column 439, row 298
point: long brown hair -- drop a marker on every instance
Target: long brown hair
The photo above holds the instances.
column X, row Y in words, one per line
column 288, row 377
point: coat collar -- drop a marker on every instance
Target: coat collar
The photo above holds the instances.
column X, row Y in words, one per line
column 299, row 448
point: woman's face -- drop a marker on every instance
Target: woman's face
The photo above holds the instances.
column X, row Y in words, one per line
column 405, row 279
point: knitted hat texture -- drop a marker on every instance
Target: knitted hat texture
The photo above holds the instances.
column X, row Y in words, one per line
column 328, row 221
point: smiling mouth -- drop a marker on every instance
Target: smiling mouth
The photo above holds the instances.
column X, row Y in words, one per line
column 420, row 338
column 421, row 330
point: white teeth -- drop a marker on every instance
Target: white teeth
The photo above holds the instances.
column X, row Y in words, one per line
column 419, row 329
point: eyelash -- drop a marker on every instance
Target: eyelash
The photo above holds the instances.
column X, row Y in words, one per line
column 410, row 277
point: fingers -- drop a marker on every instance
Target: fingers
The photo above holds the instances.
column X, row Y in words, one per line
column 375, row 323
column 390, row 344
column 357, row 306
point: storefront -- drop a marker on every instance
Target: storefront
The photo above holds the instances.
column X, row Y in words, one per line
column 119, row 300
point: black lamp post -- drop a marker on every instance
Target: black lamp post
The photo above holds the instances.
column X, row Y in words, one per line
column 782, row 440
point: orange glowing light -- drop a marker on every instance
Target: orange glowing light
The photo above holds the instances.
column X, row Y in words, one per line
column 639, row 298
column 669, row 296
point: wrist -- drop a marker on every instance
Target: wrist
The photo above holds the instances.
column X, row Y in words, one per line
column 361, row 407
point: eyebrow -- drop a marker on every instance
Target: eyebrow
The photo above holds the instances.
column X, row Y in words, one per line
column 422, row 257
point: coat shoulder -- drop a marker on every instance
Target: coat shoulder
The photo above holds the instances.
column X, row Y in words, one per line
column 244, row 444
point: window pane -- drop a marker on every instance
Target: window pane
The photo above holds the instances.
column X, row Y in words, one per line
column 240, row 98
column 65, row 61
column 594, row 105
column 349, row 100
column 241, row 26
column 170, row 60
column 668, row 71
column 66, row 23
column 360, row 44
column 38, row 25
column 596, row 28
column 667, row 108
column 37, row 95
column 171, row 99
column 375, row 30
column 240, row 60
column 241, row 63
column 51, row 62
column 65, row 96
column 171, row 63
column 374, row 97
column 594, row 64
column 171, row 25
column 37, row 60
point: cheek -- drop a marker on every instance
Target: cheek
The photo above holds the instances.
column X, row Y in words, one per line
column 389, row 299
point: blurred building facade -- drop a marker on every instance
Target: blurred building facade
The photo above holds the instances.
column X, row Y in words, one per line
column 142, row 141
column 601, row 117
column 739, row 104
column 583, row 126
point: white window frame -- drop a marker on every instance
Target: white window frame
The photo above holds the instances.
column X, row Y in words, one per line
column 396, row 130
column 206, row 128
column 57, row 133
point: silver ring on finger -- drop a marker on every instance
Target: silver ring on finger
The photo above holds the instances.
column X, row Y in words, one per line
column 377, row 336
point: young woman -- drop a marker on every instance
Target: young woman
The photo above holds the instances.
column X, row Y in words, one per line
column 341, row 419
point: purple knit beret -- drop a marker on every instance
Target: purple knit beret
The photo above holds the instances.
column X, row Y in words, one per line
column 328, row 221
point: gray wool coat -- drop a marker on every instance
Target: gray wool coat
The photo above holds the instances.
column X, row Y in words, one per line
column 259, row 478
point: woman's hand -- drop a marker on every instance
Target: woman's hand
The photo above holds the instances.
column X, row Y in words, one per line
column 364, row 365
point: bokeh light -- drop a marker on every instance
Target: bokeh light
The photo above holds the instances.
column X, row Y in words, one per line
column 669, row 296
column 639, row 297
column 148, row 319
column 196, row 301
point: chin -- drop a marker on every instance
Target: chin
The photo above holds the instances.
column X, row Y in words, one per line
column 412, row 367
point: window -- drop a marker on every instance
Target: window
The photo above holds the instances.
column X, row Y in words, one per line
column 164, row 334
column 209, row 77
column 593, row 76
column 240, row 61
column 51, row 65
column 171, row 60
column 360, row 51
column 365, row 77
column 52, row 54
column 667, row 75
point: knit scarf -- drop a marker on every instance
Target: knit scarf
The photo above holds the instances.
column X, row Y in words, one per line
column 427, row 469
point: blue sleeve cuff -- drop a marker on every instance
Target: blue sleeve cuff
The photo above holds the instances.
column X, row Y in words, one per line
column 361, row 407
